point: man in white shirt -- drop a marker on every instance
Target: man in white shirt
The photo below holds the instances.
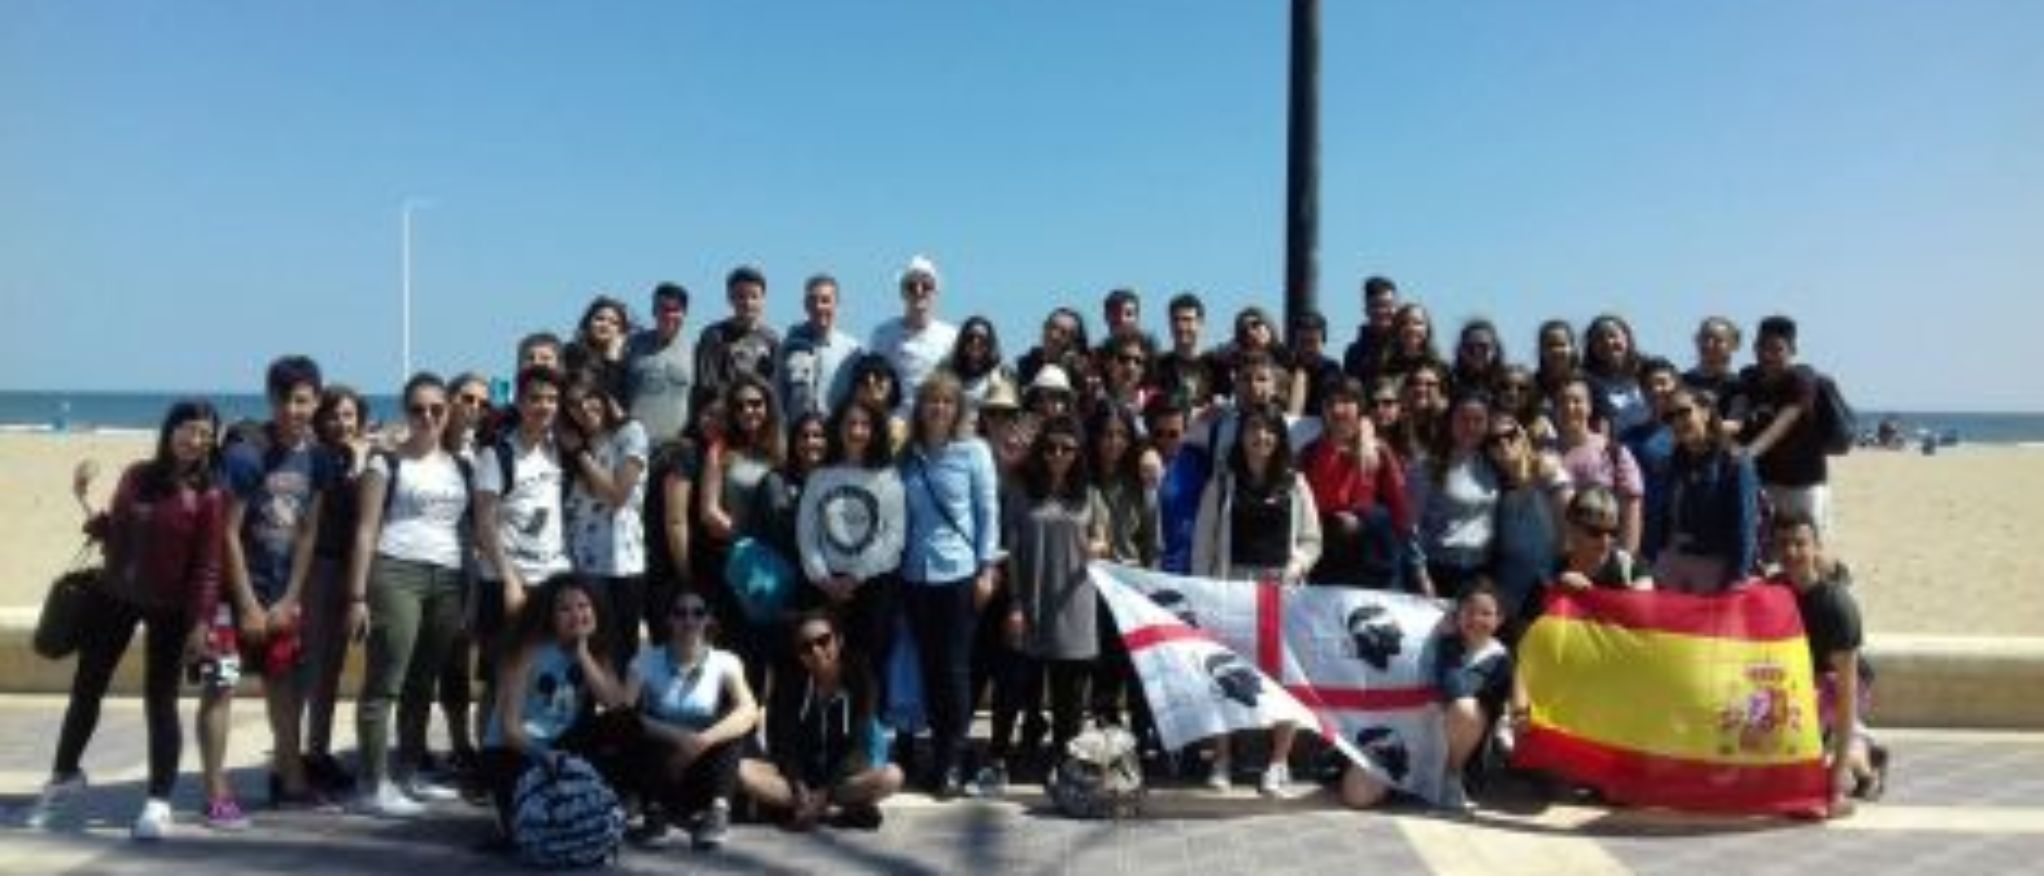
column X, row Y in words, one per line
column 915, row 342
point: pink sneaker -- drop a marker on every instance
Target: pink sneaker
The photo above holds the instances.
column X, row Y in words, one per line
column 224, row 814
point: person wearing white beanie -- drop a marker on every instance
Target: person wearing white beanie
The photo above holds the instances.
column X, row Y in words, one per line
column 917, row 341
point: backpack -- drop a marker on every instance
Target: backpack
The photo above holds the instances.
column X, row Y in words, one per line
column 1101, row 775
column 1837, row 424
column 563, row 815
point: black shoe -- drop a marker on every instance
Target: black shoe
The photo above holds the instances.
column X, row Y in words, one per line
column 324, row 772
column 951, row 786
column 859, row 816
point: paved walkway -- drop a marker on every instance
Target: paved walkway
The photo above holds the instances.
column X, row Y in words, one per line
column 1969, row 803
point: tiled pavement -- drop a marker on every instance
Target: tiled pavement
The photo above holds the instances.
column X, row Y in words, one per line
column 1959, row 803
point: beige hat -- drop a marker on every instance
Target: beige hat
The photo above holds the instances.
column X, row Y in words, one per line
column 1001, row 397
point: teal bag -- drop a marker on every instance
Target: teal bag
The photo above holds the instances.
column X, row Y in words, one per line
column 760, row 579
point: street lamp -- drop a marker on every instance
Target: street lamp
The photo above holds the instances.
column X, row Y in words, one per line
column 405, row 258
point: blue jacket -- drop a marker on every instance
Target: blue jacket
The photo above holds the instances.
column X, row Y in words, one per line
column 953, row 512
column 1713, row 504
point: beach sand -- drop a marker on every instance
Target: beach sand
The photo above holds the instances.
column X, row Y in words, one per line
column 1936, row 543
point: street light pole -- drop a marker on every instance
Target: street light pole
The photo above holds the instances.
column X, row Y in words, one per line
column 1302, row 169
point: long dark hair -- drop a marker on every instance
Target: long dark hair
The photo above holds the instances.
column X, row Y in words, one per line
column 1036, row 469
column 982, row 367
column 879, row 450
column 1278, row 474
column 771, row 443
column 535, row 621
column 1128, row 469
column 330, row 401
column 161, row 477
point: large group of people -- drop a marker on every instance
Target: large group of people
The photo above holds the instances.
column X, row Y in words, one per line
column 746, row 568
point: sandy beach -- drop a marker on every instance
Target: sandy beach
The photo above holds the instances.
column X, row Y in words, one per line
column 1935, row 543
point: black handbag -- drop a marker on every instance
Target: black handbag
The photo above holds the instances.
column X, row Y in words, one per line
column 58, row 629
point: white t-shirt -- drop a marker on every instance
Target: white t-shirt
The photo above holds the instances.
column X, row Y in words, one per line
column 606, row 541
column 914, row 354
column 529, row 512
column 422, row 515
column 692, row 697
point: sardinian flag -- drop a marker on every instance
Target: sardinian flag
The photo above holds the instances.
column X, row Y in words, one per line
column 1351, row 665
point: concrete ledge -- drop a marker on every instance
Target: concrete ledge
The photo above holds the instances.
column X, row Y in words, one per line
column 1975, row 682
column 23, row 671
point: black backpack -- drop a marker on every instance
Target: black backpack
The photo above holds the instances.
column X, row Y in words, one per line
column 1837, row 425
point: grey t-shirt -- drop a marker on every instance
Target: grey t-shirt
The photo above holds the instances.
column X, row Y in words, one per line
column 660, row 378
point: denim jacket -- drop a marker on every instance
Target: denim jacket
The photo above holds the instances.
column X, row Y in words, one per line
column 953, row 512
column 1714, row 508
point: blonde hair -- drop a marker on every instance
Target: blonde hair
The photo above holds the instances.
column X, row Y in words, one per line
column 940, row 384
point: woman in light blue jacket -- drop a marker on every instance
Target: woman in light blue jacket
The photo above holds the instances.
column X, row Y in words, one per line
column 950, row 486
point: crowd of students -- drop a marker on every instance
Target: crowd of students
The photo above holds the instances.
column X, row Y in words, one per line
column 577, row 555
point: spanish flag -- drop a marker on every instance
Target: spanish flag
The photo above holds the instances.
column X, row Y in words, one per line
column 1668, row 699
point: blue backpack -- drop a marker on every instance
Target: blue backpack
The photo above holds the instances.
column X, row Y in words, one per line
column 563, row 815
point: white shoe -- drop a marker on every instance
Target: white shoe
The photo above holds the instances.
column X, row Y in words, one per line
column 1221, row 777
column 57, row 792
column 387, row 801
column 421, row 789
column 1455, row 797
column 153, row 823
column 1276, row 782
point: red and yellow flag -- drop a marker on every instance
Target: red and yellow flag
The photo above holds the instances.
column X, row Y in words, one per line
column 1667, row 699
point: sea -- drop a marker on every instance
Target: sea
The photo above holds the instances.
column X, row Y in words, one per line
column 142, row 412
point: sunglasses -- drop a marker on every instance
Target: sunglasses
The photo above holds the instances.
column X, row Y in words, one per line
column 424, row 411
column 474, row 401
column 1597, row 529
column 816, row 644
column 690, row 612
column 1681, row 413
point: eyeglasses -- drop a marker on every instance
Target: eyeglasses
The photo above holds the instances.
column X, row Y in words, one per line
column 425, row 411
column 690, row 612
column 1060, row 448
column 816, row 644
column 1681, row 413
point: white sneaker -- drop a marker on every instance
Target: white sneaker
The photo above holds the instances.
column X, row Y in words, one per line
column 153, row 823
column 1276, row 782
column 1221, row 777
column 424, row 790
column 387, row 801
column 56, row 794
column 1455, row 797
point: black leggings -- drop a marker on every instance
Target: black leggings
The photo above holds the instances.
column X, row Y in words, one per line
column 713, row 775
column 109, row 624
column 1020, row 691
column 941, row 617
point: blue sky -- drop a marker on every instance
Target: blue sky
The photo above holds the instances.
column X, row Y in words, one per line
column 187, row 189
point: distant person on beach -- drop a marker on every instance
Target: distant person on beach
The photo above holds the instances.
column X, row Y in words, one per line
column 661, row 368
column 276, row 478
column 1777, row 411
column 915, row 342
column 814, row 374
column 406, row 593
column 162, row 535
column 741, row 343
